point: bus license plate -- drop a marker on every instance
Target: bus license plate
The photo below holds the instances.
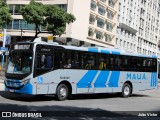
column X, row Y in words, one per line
column 11, row 90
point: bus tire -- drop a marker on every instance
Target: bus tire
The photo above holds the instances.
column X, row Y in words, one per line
column 126, row 90
column 61, row 92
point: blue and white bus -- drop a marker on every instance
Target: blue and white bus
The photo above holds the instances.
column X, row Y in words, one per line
column 41, row 68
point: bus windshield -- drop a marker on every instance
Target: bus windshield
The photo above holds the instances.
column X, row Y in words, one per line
column 20, row 62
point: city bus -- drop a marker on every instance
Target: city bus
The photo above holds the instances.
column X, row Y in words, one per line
column 41, row 68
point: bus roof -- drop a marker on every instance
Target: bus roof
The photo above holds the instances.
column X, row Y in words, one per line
column 93, row 49
column 107, row 51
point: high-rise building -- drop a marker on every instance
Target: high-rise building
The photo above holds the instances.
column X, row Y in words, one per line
column 138, row 26
column 149, row 27
column 127, row 25
column 95, row 23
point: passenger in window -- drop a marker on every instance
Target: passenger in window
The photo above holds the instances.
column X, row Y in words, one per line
column 43, row 57
column 68, row 65
column 102, row 64
column 89, row 64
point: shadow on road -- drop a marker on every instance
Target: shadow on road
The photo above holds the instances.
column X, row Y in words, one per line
column 57, row 112
column 67, row 112
column 35, row 98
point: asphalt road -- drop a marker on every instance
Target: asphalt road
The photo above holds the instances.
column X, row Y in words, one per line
column 99, row 106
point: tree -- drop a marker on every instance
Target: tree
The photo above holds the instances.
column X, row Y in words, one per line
column 34, row 13
column 51, row 16
column 57, row 19
column 5, row 16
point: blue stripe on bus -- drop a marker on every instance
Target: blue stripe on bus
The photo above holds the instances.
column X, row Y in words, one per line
column 113, row 81
column 154, row 80
column 92, row 49
column 116, row 52
column 105, row 51
column 26, row 89
column 85, row 81
column 102, row 79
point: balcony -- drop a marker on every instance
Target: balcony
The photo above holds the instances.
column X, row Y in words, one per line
column 126, row 27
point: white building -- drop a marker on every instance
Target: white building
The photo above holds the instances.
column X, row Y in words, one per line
column 95, row 22
column 138, row 26
column 127, row 28
column 149, row 27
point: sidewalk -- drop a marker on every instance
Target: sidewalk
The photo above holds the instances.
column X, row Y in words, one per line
column 2, row 74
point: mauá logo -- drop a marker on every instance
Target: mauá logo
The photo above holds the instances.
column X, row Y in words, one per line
column 136, row 76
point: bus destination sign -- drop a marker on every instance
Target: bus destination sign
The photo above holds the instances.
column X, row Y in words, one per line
column 22, row 47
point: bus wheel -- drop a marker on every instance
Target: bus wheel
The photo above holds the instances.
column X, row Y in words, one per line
column 126, row 90
column 62, row 92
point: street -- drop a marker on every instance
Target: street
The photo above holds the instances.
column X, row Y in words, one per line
column 82, row 106
column 87, row 105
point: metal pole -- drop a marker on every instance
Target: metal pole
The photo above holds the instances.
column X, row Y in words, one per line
column 2, row 60
column 21, row 34
column 4, row 42
column 4, row 37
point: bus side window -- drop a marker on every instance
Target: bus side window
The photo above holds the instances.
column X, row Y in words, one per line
column 49, row 61
column 103, row 62
column 58, row 59
column 44, row 63
column 89, row 60
column 76, row 61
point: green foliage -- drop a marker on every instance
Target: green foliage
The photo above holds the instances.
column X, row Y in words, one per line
column 57, row 18
column 52, row 17
column 34, row 13
column 5, row 16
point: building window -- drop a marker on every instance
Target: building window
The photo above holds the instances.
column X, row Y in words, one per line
column 25, row 25
column 124, row 44
column 63, row 6
column 9, row 26
column 120, row 42
column 128, row 45
column 100, row 23
column 108, row 38
column 91, row 19
column 93, row 5
column 99, row 35
column 11, row 9
column 111, row 3
column 110, row 14
column 16, row 24
column 20, row 24
column 17, row 9
column 101, row 10
column 109, row 27
column 90, row 32
column 116, row 41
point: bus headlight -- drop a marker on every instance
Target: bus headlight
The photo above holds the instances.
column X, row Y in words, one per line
column 26, row 81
